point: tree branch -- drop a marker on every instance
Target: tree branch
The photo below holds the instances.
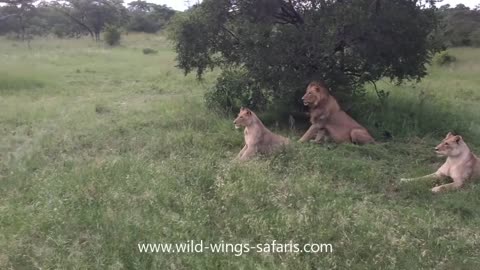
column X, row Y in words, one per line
column 79, row 22
column 288, row 14
column 231, row 33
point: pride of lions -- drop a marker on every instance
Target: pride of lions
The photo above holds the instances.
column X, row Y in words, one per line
column 329, row 121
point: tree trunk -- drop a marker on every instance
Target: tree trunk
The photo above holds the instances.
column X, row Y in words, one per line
column 22, row 28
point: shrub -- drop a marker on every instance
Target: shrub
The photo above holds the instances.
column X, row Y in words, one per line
column 444, row 58
column 283, row 45
column 234, row 89
column 475, row 38
column 101, row 109
column 149, row 51
column 112, row 35
column 58, row 32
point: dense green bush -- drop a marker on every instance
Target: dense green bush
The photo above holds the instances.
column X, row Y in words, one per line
column 444, row 58
column 475, row 38
column 149, row 51
column 234, row 89
column 112, row 35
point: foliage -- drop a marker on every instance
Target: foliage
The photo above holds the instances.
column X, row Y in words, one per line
column 282, row 45
column 74, row 18
column 148, row 17
column 444, row 58
column 17, row 14
column 475, row 38
column 93, row 15
column 461, row 25
column 43, row 19
column 149, row 51
column 112, row 35
column 234, row 89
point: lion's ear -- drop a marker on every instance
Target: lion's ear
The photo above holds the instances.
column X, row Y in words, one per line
column 449, row 135
column 248, row 112
column 458, row 138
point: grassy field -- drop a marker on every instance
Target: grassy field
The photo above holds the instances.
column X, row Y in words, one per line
column 102, row 149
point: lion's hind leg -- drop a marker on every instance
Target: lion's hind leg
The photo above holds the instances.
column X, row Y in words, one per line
column 361, row 136
column 320, row 137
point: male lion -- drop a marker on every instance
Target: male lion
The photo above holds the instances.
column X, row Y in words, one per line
column 461, row 164
column 327, row 118
column 258, row 139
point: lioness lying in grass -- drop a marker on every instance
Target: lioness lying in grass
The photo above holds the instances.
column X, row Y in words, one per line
column 461, row 164
column 258, row 139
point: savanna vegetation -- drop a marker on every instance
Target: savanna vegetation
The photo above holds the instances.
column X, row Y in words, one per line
column 27, row 19
column 460, row 25
column 104, row 148
column 270, row 49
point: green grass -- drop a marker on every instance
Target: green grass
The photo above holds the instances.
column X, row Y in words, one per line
column 101, row 149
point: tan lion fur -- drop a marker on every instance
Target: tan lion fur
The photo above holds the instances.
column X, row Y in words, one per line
column 258, row 138
column 461, row 164
column 327, row 118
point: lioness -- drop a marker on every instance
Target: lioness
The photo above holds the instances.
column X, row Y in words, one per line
column 327, row 118
column 258, row 139
column 461, row 164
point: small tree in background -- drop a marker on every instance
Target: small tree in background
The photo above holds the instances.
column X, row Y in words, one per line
column 475, row 38
column 148, row 17
column 93, row 15
column 21, row 12
column 112, row 35
column 281, row 45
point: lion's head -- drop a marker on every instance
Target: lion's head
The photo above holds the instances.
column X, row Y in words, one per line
column 316, row 93
column 245, row 118
column 452, row 145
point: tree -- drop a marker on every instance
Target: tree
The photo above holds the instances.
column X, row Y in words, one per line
column 148, row 17
column 43, row 19
column 73, row 18
column 461, row 25
column 281, row 45
column 93, row 15
column 55, row 22
column 21, row 11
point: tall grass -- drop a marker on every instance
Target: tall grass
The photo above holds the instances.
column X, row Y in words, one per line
column 119, row 149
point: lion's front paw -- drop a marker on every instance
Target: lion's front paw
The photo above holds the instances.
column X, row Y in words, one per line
column 436, row 189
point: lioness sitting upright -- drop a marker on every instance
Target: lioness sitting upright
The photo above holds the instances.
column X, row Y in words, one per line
column 258, row 139
column 327, row 118
column 461, row 164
